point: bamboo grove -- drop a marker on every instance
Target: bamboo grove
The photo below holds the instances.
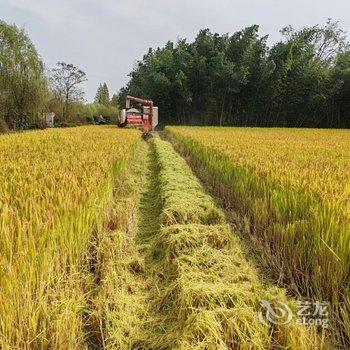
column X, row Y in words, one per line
column 239, row 79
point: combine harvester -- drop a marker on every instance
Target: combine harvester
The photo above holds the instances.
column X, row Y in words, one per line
column 141, row 113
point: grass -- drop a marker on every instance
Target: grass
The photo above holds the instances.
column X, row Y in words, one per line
column 56, row 186
column 290, row 189
column 184, row 201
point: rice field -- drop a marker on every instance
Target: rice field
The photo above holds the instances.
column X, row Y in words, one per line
column 209, row 292
column 111, row 242
column 181, row 279
column 55, row 188
column 292, row 188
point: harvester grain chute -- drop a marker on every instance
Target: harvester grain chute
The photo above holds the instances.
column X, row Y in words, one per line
column 139, row 112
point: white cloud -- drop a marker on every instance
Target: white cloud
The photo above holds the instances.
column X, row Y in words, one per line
column 50, row 11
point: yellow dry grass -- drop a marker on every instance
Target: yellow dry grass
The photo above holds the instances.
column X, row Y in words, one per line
column 179, row 280
column 209, row 294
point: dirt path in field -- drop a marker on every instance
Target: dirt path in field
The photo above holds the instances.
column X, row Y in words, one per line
column 126, row 306
column 148, row 226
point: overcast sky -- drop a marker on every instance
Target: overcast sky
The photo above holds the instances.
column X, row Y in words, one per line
column 106, row 37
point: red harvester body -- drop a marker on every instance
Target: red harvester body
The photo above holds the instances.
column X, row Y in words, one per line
column 143, row 113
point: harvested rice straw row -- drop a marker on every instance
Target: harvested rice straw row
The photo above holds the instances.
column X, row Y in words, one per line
column 211, row 295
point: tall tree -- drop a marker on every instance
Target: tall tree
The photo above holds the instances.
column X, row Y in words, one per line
column 105, row 95
column 238, row 80
column 23, row 85
column 66, row 80
column 301, row 81
column 98, row 94
column 339, row 111
column 114, row 101
column 102, row 95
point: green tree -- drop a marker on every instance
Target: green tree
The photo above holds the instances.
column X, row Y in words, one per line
column 66, row 80
column 238, row 80
column 105, row 100
column 23, row 85
column 114, row 101
column 102, row 95
column 340, row 102
column 300, row 85
column 98, row 94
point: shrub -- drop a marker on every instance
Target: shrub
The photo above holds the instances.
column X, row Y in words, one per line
column 4, row 129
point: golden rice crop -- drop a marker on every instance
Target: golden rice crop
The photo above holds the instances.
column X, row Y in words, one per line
column 316, row 160
column 55, row 185
column 120, row 302
column 293, row 186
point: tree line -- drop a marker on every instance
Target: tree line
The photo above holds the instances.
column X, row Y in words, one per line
column 29, row 91
column 301, row 81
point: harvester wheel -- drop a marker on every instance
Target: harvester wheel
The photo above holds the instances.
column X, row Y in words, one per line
column 122, row 125
column 146, row 136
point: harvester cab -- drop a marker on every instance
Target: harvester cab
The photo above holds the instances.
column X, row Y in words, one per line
column 139, row 112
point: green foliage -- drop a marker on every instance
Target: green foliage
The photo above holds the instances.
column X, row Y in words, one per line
column 98, row 93
column 341, row 77
column 3, row 127
column 87, row 112
column 23, row 86
column 102, row 95
column 114, row 101
column 239, row 80
column 66, row 89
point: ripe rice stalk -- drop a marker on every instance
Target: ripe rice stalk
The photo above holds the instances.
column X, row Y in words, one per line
column 291, row 186
column 56, row 185
column 120, row 306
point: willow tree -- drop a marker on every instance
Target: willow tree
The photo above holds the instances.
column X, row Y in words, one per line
column 23, row 86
